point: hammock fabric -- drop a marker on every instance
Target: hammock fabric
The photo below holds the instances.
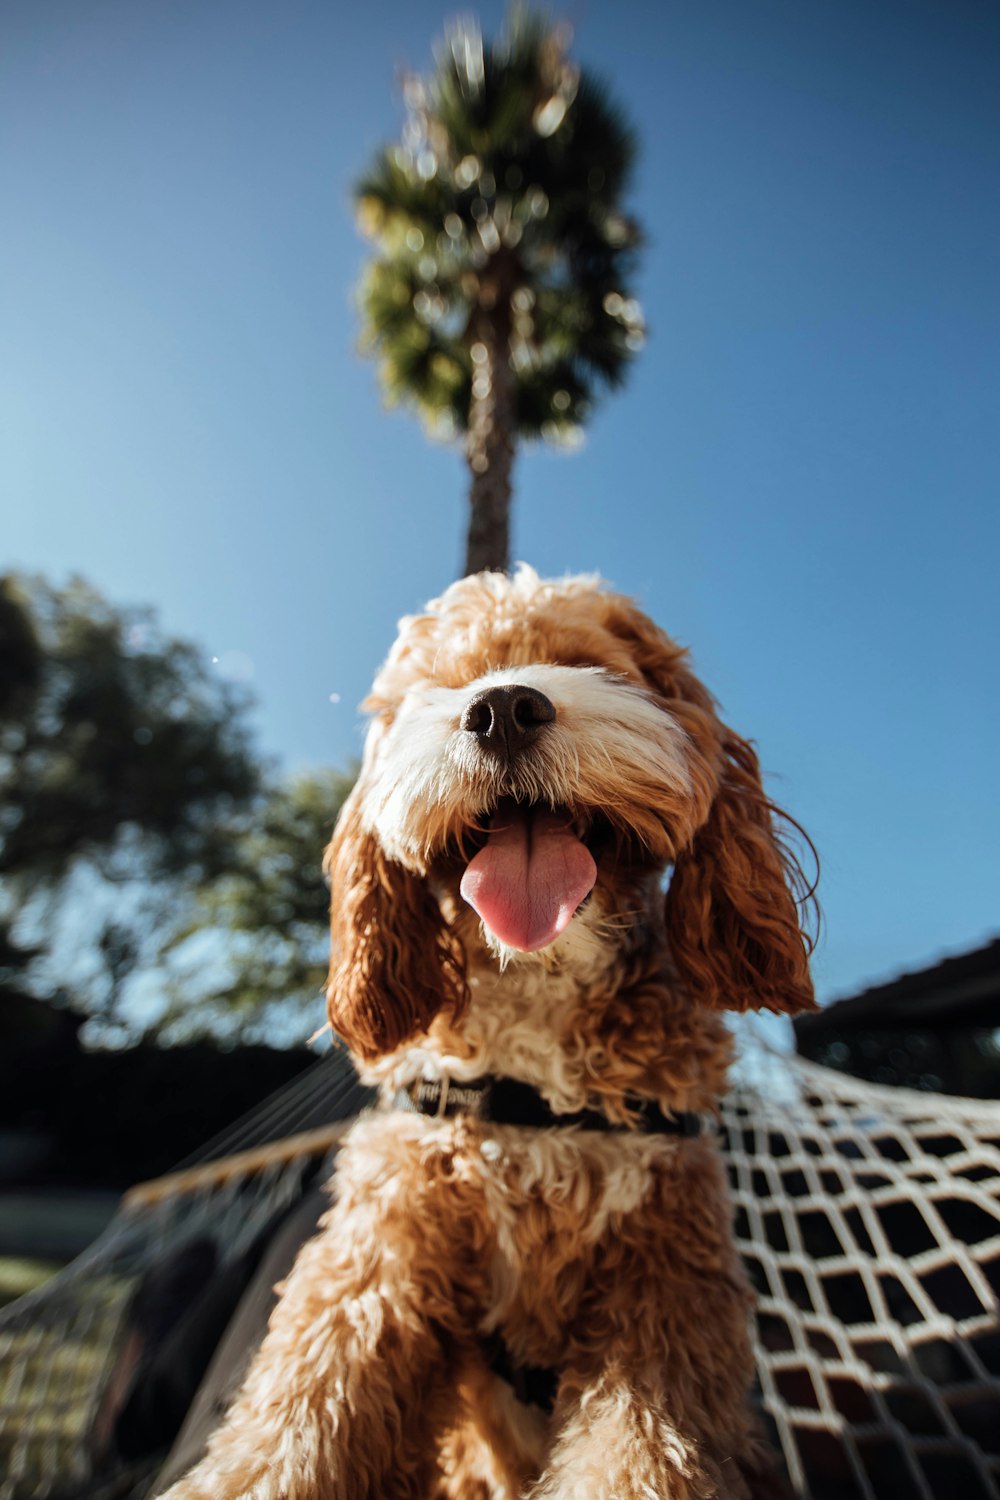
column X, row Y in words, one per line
column 869, row 1219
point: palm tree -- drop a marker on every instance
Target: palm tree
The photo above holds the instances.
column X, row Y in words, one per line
column 497, row 301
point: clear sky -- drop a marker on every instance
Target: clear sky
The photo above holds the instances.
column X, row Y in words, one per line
column 800, row 479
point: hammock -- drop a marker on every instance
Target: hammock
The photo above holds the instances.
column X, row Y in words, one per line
column 869, row 1220
column 154, row 1289
column 868, row 1217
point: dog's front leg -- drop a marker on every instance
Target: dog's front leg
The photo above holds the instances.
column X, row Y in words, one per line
column 618, row 1440
column 662, row 1413
column 338, row 1402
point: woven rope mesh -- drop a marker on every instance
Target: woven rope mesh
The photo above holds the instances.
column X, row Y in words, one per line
column 869, row 1219
column 65, row 1349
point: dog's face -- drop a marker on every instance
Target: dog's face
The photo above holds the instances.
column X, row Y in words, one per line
column 521, row 755
column 539, row 747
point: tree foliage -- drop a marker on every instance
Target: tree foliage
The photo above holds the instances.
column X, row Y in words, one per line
column 498, row 302
column 109, row 730
column 119, row 753
column 252, row 952
column 141, row 836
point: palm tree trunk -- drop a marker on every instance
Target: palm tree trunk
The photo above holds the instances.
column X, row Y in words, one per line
column 491, row 436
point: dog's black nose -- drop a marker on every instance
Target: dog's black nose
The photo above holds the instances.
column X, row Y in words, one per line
column 506, row 719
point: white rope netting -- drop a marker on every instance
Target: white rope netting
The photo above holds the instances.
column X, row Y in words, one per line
column 869, row 1219
column 69, row 1350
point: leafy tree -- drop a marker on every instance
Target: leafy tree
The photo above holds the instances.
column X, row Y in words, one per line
column 120, row 731
column 120, row 755
column 134, row 811
column 497, row 303
column 20, row 652
column 251, row 953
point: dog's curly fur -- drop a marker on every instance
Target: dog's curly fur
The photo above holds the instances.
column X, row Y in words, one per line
column 606, row 1257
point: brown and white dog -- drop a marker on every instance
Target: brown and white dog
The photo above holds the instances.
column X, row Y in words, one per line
column 540, row 755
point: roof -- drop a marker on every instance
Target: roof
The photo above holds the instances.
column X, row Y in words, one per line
column 959, row 991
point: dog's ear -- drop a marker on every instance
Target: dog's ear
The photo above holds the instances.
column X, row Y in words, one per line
column 394, row 963
column 739, row 906
column 739, row 909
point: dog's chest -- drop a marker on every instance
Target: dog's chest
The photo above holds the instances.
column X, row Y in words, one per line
column 553, row 1200
column 524, row 1233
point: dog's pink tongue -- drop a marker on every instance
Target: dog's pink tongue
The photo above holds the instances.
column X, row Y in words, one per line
column 529, row 879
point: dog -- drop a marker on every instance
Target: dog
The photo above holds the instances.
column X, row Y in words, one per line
column 527, row 1284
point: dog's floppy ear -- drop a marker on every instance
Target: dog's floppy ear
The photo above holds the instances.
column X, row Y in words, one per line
column 394, row 963
column 738, row 900
column 739, row 906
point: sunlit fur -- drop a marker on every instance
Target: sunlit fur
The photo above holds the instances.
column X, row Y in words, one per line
column 606, row 1257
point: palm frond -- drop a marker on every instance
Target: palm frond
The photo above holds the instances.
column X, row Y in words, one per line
column 512, row 169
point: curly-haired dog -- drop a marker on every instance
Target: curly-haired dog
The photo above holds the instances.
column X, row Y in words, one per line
column 535, row 1194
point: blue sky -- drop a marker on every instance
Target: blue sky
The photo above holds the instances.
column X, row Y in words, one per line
column 800, row 479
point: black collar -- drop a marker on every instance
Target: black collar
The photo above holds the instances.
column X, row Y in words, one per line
column 506, row 1101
